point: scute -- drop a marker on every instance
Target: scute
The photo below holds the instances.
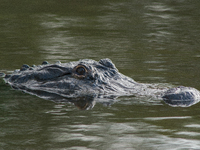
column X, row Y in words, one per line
column 108, row 63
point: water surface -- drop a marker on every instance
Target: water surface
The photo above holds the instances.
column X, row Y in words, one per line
column 150, row 41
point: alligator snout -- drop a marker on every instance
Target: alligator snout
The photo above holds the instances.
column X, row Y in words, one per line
column 181, row 96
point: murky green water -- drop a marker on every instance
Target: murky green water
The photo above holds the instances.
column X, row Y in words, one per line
column 150, row 41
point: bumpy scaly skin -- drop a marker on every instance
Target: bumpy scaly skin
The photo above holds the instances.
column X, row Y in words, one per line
column 89, row 78
column 181, row 96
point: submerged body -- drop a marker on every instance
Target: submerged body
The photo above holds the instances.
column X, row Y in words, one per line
column 89, row 78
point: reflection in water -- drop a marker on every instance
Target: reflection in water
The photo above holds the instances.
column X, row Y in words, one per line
column 134, row 133
column 84, row 103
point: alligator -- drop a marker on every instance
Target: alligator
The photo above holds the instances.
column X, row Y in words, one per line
column 85, row 80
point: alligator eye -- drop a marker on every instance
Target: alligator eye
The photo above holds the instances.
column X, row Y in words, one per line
column 80, row 71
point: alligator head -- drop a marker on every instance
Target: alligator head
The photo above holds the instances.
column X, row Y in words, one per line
column 71, row 80
column 88, row 79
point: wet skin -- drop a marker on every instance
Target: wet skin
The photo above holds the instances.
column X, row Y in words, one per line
column 89, row 79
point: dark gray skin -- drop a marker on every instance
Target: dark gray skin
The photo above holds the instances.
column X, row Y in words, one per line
column 88, row 79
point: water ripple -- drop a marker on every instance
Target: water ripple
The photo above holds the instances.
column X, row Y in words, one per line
column 166, row 118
